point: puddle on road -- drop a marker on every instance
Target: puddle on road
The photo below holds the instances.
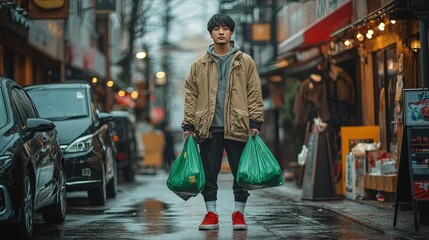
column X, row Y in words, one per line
column 151, row 213
column 157, row 219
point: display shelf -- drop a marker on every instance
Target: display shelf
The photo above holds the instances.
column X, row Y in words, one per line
column 385, row 183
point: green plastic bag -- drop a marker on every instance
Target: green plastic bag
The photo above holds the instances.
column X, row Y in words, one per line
column 258, row 168
column 186, row 178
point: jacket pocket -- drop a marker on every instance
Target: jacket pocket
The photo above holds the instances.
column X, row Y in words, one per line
column 239, row 123
column 201, row 123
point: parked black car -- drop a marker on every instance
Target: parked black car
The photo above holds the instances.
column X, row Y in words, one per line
column 32, row 170
column 84, row 136
column 128, row 145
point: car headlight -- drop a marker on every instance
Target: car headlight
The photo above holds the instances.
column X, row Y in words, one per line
column 5, row 161
column 81, row 144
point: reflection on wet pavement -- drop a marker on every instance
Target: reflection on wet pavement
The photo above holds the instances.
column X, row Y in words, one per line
column 148, row 210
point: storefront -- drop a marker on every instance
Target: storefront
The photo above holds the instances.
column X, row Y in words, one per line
column 14, row 30
column 31, row 51
column 351, row 66
column 302, row 35
column 385, row 64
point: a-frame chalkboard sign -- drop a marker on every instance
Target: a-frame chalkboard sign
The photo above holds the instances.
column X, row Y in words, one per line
column 318, row 175
column 413, row 172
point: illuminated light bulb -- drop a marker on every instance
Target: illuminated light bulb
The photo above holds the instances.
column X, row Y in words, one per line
column 160, row 74
column 94, row 80
column 347, row 43
column 110, row 83
column 415, row 45
column 121, row 93
column 381, row 26
column 393, row 21
column 134, row 95
column 141, row 55
column 368, row 35
column 360, row 37
column 370, row 31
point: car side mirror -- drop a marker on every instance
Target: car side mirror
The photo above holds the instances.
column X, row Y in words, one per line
column 105, row 117
column 39, row 125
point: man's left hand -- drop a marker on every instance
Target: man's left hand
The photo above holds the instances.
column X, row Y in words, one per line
column 254, row 131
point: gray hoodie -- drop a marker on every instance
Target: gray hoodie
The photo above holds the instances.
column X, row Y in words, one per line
column 224, row 64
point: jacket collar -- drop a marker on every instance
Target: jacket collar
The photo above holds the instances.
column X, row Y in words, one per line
column 209, row 58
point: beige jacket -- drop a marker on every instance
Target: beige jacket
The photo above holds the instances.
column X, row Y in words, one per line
column 243, row 99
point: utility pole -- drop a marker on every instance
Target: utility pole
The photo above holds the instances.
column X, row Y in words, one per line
column 132, row 33
column 165, row 56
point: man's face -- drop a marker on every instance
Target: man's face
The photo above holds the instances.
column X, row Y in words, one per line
column 221, row 35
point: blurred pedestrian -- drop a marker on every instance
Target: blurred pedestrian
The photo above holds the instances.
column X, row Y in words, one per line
column 223, row 105
column 168, row 153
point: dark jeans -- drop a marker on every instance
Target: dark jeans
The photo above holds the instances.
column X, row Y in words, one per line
column 211, row 154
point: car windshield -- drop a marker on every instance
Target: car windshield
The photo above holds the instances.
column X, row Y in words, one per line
column 60, row 104
column 3, row 116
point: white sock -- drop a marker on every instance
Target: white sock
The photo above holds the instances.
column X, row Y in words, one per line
column 239, row 206
column 211, row 206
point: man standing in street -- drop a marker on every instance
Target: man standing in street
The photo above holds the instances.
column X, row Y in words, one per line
column 223, row 105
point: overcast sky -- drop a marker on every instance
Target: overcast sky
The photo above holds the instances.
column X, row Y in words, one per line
column 192, row 17
column 189, row 21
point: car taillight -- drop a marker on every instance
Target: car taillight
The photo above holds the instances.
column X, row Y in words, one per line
column 115, row 138
column 122, row 156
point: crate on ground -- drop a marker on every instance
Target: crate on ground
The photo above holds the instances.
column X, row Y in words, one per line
column 154, row 143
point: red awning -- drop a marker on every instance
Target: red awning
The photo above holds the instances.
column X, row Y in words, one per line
column 319, row 31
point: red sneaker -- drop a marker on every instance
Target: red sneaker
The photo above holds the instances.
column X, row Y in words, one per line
column 238, row 222
column 210, row 222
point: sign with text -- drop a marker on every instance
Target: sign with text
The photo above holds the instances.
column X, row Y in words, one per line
column 419, row 140
column 419, row 165
column 420, row 171
column 53, row 9
column 416, row 107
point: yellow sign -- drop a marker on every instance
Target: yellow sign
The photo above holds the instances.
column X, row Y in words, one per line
column 350, row 136
column 49, row 4
column 192, row 179
column 261, row 32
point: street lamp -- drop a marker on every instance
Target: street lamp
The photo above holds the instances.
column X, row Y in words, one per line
column 144, row 55
column 141, row 55
column 160, row 78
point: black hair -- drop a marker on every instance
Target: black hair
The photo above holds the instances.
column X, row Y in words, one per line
column 220, row 19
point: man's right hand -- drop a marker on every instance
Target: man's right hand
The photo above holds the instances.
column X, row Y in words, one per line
column 187, row 133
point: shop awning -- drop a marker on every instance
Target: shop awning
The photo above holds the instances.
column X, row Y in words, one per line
column 319, row 31
column 396, row 9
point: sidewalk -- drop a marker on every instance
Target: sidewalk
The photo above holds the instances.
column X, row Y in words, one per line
column 373, row 214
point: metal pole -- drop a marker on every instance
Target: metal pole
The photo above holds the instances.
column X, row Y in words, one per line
column 423, row 26
column 148, row 87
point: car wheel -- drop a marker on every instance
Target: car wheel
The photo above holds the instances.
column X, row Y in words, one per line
column 98, row 195
column 25, row 226
column 56, row 213
column 112, row 186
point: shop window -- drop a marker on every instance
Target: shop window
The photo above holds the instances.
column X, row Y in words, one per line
column 385, row 76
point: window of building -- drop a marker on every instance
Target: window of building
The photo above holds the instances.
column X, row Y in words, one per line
column 385, row 75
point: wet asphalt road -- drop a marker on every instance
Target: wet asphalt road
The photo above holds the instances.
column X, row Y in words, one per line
column 146, row 209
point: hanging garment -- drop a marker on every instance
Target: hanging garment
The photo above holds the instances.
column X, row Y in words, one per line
column 341, row 97
column 311, row 102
